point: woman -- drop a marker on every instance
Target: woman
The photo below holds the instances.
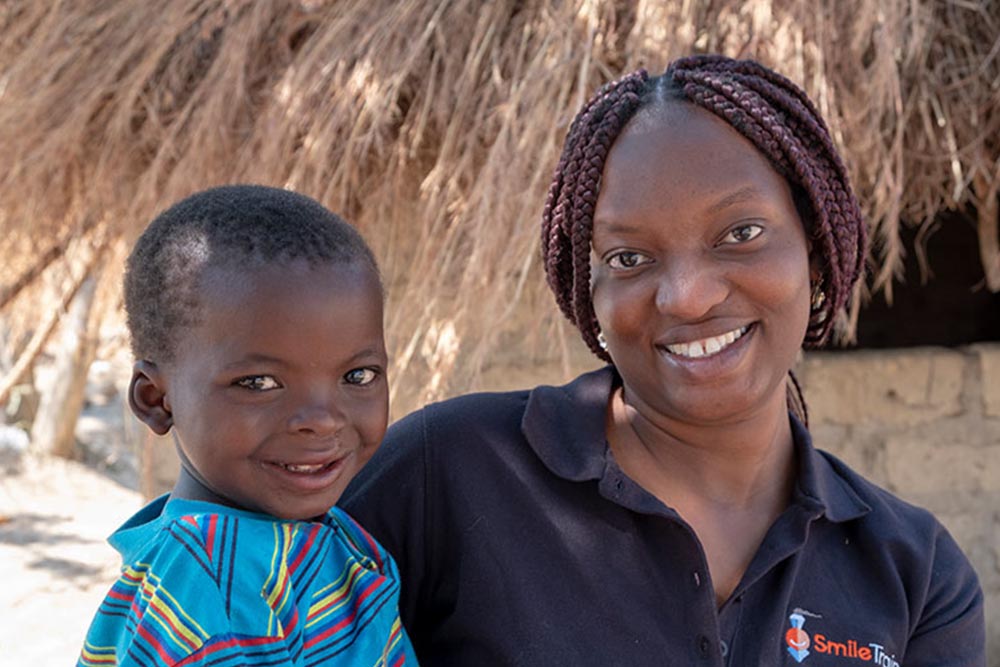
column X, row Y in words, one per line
column 669, row 509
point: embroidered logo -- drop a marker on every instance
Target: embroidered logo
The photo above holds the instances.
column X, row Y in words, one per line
column 799, row 642
column 797, row 639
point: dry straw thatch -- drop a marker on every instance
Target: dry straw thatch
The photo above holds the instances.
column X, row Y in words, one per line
column 434, row 126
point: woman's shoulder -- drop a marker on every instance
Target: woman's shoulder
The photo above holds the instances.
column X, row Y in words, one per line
column 484, row 412
column 882, row 504
column 481, row 408
column 912, row 533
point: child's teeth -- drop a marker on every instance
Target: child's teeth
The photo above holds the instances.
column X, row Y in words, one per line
column 303, row 468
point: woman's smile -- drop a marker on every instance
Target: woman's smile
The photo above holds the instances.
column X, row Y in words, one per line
column 700, row 276
column 706, row 347
column 701, row 366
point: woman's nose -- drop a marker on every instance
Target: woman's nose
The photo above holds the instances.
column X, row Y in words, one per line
column 689, row 289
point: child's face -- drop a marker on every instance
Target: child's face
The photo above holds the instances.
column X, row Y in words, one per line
column 279, row 396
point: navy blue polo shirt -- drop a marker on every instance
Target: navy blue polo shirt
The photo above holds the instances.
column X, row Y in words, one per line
column 521, row 542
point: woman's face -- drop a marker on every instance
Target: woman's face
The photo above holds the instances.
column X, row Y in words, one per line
column 700, row 274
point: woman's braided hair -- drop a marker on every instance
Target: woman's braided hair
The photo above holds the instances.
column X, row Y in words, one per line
column 763, row 106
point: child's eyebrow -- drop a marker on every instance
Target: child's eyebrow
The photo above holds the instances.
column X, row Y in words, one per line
column 367, row 353
column 261, row 358
column 254, row 358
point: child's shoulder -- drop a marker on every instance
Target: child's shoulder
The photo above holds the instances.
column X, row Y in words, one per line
column 356, row 538
column 178, row 535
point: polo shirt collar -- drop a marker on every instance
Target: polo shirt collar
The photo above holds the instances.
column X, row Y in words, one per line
column 821, row 483
column 565, row 426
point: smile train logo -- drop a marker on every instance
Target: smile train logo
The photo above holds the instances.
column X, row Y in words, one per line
column 797, row 638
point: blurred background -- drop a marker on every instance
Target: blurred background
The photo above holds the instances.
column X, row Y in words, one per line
column 434, row 126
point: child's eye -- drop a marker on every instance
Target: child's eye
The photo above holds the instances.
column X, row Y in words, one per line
column 627, row 259
column 360, row 376
column 743, row 234
column 258, row 382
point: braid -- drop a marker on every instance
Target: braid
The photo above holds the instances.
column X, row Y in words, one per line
column 567, row 221
column 775, row 114
column 762, row 105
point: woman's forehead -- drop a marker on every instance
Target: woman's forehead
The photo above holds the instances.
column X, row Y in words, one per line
column 677, row 155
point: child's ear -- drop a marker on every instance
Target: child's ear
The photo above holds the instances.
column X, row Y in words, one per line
column 147, row 396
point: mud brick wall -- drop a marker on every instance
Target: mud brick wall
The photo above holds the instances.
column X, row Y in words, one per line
column 925, row 424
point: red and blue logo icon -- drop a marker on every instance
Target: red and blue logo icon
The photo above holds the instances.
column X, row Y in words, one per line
column 797, row 639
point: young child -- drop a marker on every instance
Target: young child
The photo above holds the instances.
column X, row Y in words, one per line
column 256, row 322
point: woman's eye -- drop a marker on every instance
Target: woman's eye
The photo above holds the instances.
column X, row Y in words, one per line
column 743, row 233
column 626, row 260
column 258, row 382
column 360, row 376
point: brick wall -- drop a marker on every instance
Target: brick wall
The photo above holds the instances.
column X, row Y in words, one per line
column 925, row 424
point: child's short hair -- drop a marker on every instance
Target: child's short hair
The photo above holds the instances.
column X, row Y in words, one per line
column 233, row 226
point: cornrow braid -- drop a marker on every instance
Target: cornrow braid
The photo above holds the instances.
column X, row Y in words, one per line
column 763, row 106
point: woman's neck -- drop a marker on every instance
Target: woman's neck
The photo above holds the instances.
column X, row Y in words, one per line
column 740, row 465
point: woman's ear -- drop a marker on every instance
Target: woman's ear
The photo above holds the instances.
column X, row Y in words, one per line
column 815, row 264
column 147, row 396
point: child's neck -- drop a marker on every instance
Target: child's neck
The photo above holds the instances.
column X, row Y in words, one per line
column 190, row 487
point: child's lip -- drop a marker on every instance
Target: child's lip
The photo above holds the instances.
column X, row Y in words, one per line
column 312, row 477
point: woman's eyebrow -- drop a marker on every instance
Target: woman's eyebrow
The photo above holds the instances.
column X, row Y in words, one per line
column 737, row 197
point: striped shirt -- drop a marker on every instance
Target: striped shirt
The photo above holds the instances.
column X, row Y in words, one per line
column 204, row 584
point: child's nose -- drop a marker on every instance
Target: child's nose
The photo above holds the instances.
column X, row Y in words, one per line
column 317, row 420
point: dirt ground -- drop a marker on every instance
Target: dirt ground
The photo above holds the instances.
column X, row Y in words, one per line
column 55, row 516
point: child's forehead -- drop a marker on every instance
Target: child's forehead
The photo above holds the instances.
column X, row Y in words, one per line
column 239, row 268
column 249, row 278
column 285, row 311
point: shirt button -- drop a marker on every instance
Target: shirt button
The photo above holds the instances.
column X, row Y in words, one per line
column 704, row 646
column 724, row 647
column 619, row 484
column 697, row 579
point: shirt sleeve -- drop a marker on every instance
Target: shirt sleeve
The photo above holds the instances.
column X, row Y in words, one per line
column 172, row 611
column 951, row 630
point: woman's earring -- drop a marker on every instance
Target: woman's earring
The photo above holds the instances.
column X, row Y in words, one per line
column 816, row 313
column 602, row 341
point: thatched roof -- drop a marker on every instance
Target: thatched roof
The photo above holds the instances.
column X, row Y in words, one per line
column 434, row 126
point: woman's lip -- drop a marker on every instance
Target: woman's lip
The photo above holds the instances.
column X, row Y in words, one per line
column 685, row 335
column 712, row 365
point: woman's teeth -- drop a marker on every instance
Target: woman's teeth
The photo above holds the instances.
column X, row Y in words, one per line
column 707, row 346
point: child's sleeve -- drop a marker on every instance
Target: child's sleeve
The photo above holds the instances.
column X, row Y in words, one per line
column 178, row 608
